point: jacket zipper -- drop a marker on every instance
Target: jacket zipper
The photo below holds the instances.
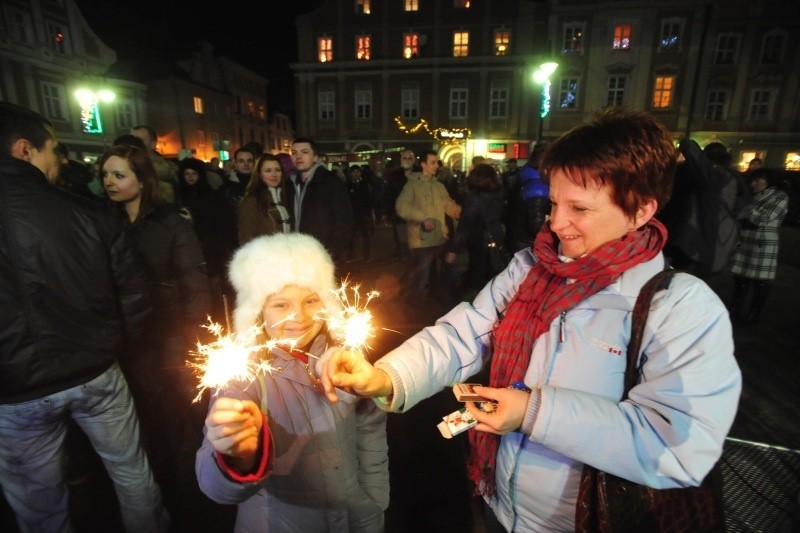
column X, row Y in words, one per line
column 562, row 332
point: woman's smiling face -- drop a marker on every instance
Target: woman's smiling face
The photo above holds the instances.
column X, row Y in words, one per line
column 585, row 218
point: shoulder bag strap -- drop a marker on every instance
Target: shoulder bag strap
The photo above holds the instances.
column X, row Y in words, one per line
column 640, row 311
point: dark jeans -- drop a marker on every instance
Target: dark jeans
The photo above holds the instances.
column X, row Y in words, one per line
column 418, row 275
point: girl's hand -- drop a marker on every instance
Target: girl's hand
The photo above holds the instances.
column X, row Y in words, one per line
column 233, row 427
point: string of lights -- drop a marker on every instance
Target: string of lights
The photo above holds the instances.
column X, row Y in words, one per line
column 443, row 135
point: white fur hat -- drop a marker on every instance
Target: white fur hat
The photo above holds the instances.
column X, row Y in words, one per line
column 269, row 263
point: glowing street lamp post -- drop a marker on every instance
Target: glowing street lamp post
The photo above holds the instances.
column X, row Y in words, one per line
column 542, row 77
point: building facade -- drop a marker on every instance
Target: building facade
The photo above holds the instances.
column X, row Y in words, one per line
column 459, row 74
column 52, row 62
column 202, row 105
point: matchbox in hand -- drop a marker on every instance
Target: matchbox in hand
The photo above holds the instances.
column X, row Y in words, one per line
column 466, row 393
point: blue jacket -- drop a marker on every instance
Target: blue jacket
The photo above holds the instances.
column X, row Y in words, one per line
column 668, row 434
column 328, row 464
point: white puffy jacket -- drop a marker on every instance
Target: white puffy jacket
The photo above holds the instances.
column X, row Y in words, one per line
column 668, row 434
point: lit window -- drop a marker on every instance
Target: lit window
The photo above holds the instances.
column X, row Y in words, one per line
column 198, row 105
column 568, row 93
column 410, row 45
column 622, row 37
column 262, row 112
column 251, row 108
column 662, row 92
column 772, row 49
column 363, row 47
column 461, row 4
column 409, row 102
column 792, row 161
column 326, row 102
column 459, row 95
column 461, row 44
column 716, row 105
column 411, row 5
column 670, row 34
column 616, row 90
column 573, row 39
column 363, row 101
column 498, row 101
column 727, row 50
column 362, row 7
column 325, row 49
column 502, row 42
column 760, row 105
column 745, row 157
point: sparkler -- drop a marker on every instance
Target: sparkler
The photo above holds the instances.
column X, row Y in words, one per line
column 232, row 356
column 354, row 327
column 228, row 358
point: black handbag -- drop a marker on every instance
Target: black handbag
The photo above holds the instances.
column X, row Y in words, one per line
column 607, row 503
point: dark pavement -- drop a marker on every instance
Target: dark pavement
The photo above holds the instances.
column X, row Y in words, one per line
column 429, row 488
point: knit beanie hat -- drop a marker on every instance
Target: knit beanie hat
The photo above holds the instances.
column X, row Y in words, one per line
column 267, row 264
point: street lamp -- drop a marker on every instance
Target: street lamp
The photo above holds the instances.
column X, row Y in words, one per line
column 542, row 77
column 90, row 112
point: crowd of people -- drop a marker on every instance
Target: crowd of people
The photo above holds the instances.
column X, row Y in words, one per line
column 111, row 287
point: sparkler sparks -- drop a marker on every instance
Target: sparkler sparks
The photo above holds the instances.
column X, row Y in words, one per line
column 233, row 356
column 229, row 358
column 354, row 327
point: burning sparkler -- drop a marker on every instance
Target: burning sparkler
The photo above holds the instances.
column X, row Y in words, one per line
column 354, row 327
column 233, row 356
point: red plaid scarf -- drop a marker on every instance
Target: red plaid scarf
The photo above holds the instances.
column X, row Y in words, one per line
column 544, row 295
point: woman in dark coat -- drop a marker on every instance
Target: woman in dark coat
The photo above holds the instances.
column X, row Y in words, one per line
column 482, row 210
column 214, row 222
column 161, row 382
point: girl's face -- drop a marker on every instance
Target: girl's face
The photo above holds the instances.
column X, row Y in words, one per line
column 190, row 176
column 293, row 313
column 271, row 173
column 586, row 218
column 119, row 180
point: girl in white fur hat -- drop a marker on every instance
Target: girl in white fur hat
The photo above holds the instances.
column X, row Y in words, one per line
column 277, row 447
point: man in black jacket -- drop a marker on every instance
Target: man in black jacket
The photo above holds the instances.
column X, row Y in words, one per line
column 321, row 201
column 71, row 293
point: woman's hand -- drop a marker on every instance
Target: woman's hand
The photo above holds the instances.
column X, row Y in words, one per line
column 233, row 427
column 350, row 371
column 508, row 413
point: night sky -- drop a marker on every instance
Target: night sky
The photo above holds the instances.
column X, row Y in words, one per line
column 250, row 33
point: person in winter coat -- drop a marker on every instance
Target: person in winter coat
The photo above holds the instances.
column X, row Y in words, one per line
column 482, row 211
column 528, row 203
column 701, row 216
column 275, row 446
column 162, row 383
column 73, row 296
column 214, row 222
column 319, row 199
column 553, row 329
column 755, row 261
column 265, row 208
